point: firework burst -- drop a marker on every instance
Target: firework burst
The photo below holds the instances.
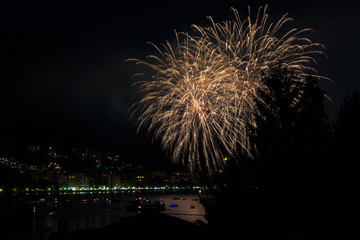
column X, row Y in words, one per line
column 200, row 97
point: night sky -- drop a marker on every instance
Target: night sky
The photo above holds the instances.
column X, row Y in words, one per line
column 64, row 79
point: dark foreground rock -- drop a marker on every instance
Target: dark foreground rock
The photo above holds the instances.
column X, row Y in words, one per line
column 141, row 226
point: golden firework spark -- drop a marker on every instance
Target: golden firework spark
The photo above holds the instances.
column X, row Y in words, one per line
column 200, row 97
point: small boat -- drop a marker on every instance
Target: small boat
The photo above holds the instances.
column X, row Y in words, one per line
column 173, row 205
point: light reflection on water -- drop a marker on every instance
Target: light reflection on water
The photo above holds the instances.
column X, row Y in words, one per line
column 74, row 212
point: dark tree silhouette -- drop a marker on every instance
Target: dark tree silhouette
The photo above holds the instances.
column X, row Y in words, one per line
column 291, row 133
column 312, row 137
column 346, row 142
column 312, row 129
column 343, row 167
column 276, row 115
column 345, row 164
column 346, row 126
column 290, row 141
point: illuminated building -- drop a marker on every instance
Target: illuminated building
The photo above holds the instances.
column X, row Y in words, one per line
column 79, row 181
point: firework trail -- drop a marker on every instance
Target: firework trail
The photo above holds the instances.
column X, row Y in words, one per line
column 200, row 98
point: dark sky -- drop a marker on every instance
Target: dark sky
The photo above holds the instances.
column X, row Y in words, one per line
column 63, row 76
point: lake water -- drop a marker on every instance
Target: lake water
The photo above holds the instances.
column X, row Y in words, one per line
column 74, row 211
